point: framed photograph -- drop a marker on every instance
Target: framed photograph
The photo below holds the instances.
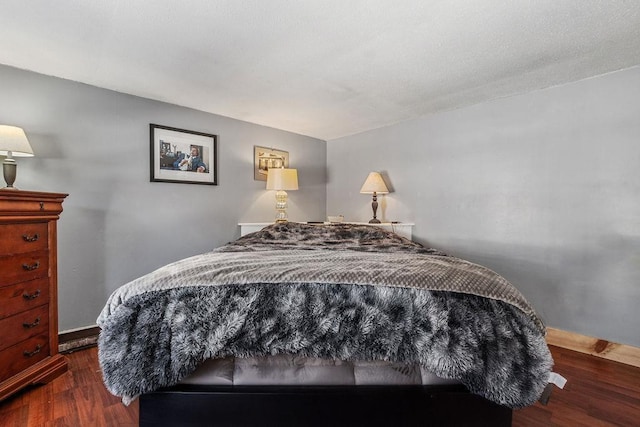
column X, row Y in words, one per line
column 265, row 158
column 183, row 156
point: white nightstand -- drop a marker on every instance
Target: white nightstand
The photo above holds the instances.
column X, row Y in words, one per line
column 250, row 227
column 403, row 229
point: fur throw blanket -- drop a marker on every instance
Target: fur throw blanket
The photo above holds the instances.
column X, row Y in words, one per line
column 157, row 329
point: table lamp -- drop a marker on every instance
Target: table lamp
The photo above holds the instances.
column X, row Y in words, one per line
column 375, row 185
column 13, row 142
column 281, row 179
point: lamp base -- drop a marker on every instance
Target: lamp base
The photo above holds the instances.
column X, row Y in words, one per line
column 374, row 207
column 281, row 206
column 9, row 168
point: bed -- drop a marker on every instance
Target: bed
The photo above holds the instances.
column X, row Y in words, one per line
column 315, row 298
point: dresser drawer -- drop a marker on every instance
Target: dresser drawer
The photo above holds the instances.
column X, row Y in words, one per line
column 23, row 296
column 23, row 267
column 23, row 326
column 22, row 355
column 26, row 237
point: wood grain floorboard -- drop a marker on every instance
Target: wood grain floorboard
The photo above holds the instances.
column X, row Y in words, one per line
column 598, row 393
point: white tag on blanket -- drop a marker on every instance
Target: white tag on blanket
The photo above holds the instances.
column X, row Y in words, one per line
column 557, row 379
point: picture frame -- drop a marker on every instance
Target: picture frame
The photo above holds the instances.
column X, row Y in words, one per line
column 183, row 156
column 265, row 158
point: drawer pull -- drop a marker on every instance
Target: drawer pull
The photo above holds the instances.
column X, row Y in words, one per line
column 31, row 325
column 32, row 266
column 34, row 295
column 28, row 238
column 34, row 352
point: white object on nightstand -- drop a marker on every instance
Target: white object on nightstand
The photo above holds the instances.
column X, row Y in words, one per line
column 252, row 227
column 403, row 229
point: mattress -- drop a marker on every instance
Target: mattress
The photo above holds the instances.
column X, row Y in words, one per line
column 297, row 370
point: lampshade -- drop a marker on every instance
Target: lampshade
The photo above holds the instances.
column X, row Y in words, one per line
column 13, row 139
column 374, row 184
column 282, row 179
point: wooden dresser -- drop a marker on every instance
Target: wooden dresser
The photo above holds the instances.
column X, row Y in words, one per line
column 28, row 289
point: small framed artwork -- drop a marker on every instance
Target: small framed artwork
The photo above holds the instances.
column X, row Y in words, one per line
column 183, row 156
column 266, row 158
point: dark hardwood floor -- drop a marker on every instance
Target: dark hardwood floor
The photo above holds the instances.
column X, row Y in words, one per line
column 77, row 398
column 598, row 393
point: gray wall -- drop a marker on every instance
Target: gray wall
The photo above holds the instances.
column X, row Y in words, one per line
column 116, row 225
column 543, row 188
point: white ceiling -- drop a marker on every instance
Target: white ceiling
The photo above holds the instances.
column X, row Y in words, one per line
column 324, row 68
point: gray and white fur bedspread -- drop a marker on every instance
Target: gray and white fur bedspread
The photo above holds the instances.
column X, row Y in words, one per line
column 341, row 291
